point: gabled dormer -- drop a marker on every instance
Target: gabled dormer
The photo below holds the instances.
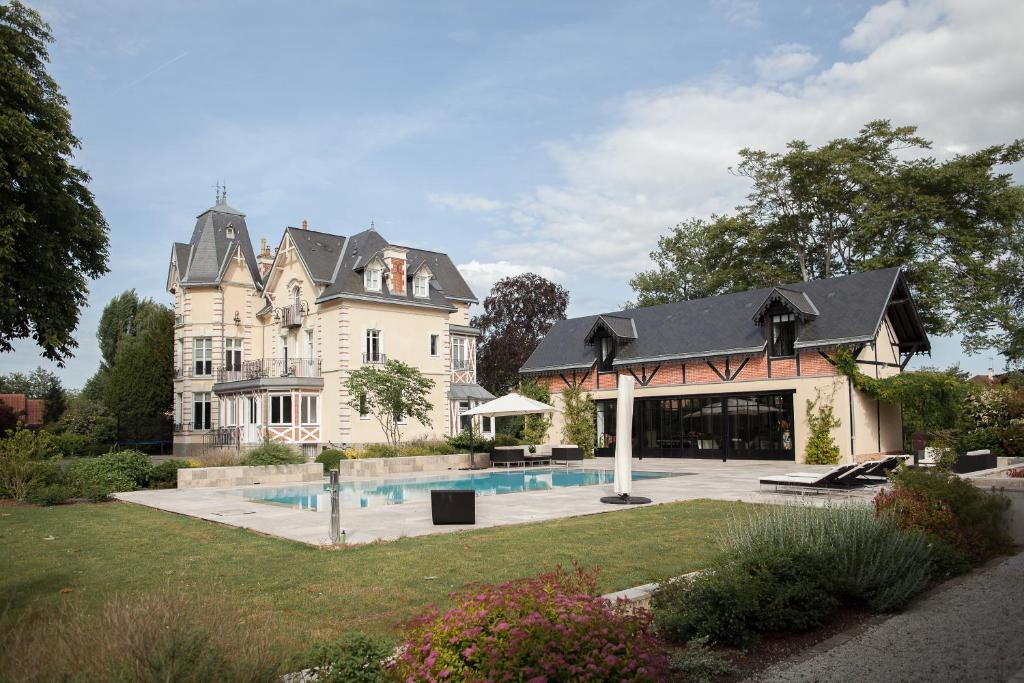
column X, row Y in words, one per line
column 608, row 334
column 373, row 274
column 420, row 281
column 781, row 314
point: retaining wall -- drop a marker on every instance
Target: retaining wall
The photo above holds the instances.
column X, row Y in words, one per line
column 243, row 475
column 374, row 467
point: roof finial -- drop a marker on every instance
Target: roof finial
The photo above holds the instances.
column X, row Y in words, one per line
column 217, row 192
column 372, row 226
column 224, row 192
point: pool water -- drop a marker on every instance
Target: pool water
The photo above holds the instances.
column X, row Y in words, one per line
column 377, row 492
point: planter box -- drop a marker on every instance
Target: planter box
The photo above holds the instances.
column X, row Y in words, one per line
column 243, row 475
column 376, row 467
column 453, row 506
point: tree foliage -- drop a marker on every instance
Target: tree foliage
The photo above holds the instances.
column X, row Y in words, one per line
column 53, row 237
column 580, row 419
column 517, row 314
column 140, row 381
column 872, row 201
column 535, row 427
column 391, row 393
column 821, row 447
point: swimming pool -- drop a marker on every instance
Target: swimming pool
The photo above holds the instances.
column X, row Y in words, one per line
column 377, row 492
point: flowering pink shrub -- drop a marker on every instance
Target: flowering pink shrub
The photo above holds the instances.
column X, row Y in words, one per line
column 550, row 628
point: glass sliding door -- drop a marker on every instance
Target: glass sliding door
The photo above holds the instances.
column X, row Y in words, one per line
column 747, row 426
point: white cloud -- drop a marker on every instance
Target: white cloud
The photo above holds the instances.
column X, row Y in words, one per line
column 785, row 62
column 463, row 202
column 742, row 12
column 952, row 68
column 481, row 276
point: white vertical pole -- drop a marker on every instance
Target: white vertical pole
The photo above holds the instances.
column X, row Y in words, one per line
column 624, row 437
column 335, row 509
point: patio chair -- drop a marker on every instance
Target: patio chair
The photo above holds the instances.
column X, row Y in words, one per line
column 566, row 454
column 808, row 481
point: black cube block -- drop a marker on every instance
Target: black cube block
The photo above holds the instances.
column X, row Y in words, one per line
column 453, row 506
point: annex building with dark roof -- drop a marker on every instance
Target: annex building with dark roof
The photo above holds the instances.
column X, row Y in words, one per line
column 730, row 376
column 265, row 339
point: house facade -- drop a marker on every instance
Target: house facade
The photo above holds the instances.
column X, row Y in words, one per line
column 730, row 376
column 264, row 341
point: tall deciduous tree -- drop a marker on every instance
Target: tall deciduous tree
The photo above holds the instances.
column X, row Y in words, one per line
column 872, row 201
column 139, row 384
column 517, row 314
column 53, row 237
column 391, row 394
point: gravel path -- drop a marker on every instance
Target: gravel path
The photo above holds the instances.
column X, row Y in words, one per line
column 972, row 630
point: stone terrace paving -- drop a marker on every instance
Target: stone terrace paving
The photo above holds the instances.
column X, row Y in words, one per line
column 736, row 480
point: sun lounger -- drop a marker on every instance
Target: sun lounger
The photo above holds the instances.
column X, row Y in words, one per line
column 808, row 481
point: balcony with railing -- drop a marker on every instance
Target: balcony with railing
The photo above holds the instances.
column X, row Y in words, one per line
column 461, row 364
column 374, row 359
column 292, row 315
column 268, row 368
column 179, row 319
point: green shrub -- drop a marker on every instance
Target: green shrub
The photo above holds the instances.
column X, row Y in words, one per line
column 579, row 420
column 738, row 598
column 378, row 450
column 821, row 448
column 26, row 461
column 272, row 453
column 71, row 445
column 96, row 478
column 788, row 568
column 700, row 664
column 330, row 458
column 51, row 494
column 426, row 447
column 164, row 475
column 460, row 442
column 352, row 658
column 949, row 507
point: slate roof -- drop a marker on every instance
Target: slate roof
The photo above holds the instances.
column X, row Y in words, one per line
column 464, row 392
column 359, row 249
column 204, row 259
column 850, row 310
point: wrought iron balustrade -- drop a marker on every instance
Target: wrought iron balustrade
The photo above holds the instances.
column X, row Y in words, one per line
column 261, row 368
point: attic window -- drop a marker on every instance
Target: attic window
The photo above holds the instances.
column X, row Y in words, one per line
column 229, row 232
column 421, row 286
column 371, row 278
column 783, row 333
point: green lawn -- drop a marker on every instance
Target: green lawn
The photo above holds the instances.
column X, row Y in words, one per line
column 303, row 592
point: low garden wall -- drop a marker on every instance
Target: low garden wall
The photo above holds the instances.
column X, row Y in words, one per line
column 374, row 467
column 243, row 475
column 1013, row 489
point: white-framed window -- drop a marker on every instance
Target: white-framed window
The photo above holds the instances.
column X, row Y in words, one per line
column 230, row 411
column 296, row 295
column 179, row 409
column 459, row 360
column 201, row 411
column 421, row 286
column 229, row 232
column 308, row 413
column 464, row 420
column 202, row 356
column 373, row 352
column 310, row 355
column 435, row 344
column 232, row 354
column 181, row 357
column 372, row 278
column 364, row 410
column 485, row 424
column 281, row 409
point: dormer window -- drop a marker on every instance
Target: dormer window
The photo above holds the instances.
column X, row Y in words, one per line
column 783, row 333
column 421, row 286
column 372, row 277
column 229, row 232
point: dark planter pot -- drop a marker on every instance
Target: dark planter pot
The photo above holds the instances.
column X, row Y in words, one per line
column 453, row 506
column 973, row 462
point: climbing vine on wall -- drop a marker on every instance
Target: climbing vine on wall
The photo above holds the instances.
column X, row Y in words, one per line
column 931, row 401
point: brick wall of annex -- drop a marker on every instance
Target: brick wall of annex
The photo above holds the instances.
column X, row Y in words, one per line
column 676, row 373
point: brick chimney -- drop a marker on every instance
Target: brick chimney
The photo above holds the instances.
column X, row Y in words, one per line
column 305, row 224
column 394, row 258
column 264, row 259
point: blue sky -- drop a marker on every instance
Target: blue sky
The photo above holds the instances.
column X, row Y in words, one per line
column 555, row 137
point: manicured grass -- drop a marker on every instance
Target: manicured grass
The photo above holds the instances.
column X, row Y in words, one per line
column 304, row 593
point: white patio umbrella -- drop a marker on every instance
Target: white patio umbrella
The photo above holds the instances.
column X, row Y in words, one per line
column 506, row 406
column 623, row 484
